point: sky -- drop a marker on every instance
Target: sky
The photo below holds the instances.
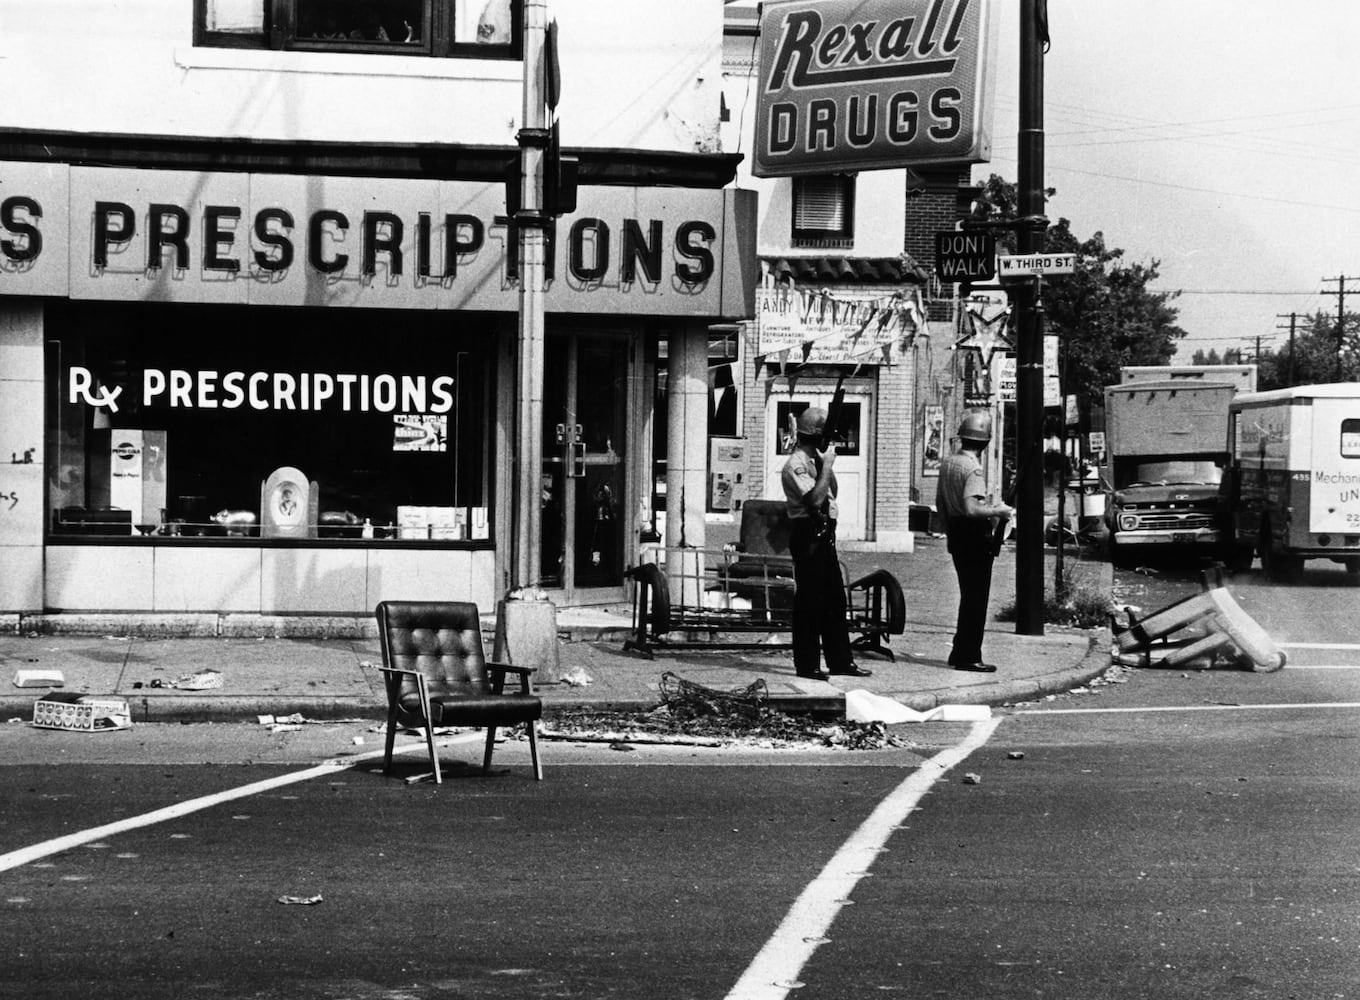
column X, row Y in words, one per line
column 1220, row 138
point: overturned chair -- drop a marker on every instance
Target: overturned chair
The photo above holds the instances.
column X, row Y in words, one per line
column 437, row 674
column 733, row 597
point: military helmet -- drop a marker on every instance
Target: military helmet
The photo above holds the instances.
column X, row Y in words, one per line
column 811, row 421
column 976, row 426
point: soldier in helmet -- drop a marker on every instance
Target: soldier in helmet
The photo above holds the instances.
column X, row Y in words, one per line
column 819, row 615
column 969, row 515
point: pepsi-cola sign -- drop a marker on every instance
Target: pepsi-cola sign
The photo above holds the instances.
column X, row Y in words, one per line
column 873, row 85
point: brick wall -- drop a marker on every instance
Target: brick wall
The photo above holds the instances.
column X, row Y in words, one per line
column 932, row 209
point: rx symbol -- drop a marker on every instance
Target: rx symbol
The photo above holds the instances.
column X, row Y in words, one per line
column 83, row 388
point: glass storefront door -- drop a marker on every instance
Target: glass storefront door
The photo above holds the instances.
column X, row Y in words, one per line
column 586, row 402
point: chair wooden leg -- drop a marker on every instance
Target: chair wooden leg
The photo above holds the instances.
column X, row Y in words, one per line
column 490, row 746
column 391, row 737
column 533, row 749
column 429, row 729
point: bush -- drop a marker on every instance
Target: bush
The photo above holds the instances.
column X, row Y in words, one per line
column 1082, row 603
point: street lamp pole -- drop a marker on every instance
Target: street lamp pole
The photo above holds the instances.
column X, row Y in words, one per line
column 1029, row 390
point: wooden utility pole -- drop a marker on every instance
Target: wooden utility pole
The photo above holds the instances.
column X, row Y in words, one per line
column 1340, row 316
column 1293, row 319
column 1029, row 388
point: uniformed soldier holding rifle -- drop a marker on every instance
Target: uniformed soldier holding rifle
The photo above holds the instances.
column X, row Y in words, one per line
column 820, row 628
column 971, row 519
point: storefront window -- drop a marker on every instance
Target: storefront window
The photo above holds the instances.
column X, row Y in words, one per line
column 170, row 421
column 482, row 29
column 724, row 417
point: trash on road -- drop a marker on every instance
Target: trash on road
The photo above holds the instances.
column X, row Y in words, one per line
column 686, row 699
column 972, row 779
column 576, row 677
column 300, row 900
column 619, row 737
column 81, row 713
column 39, row 679
column 202, row 680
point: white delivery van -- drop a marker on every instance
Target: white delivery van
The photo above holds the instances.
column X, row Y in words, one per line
column 1294, row 482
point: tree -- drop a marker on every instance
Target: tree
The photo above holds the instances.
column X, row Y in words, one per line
column 1231, row 356
column 1314, row 357
column 1105, row 315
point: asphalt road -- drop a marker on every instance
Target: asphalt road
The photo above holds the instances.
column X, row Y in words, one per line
column 1168, row 834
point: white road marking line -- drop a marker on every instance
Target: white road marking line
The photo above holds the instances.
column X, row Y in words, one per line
column 1186, row 708
column 1319, row 645
column 776, row 966
column 1322, row 666
column 25, row 855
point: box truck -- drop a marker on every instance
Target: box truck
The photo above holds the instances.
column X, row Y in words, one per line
column 1294, row 483
column 1166, row 448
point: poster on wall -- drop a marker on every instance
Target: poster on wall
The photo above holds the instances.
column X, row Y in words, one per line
column 420, row 432
column 934, row 440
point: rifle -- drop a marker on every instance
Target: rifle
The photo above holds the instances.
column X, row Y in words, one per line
column 999, row 530
column 833, row 415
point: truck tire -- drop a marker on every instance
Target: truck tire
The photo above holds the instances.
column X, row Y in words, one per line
column 1277, row 566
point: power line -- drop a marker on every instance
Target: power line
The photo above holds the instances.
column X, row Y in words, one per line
column 1330, row 206
column 1237, row 291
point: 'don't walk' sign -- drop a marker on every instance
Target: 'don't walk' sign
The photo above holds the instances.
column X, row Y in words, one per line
column 873, row 85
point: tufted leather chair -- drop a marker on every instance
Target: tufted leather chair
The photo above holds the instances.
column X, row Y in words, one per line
column 437, row 674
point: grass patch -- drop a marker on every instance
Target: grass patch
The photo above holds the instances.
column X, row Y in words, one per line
column 1079, row 603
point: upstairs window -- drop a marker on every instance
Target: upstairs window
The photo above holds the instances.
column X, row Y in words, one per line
column 824, row 211
column 479, row 29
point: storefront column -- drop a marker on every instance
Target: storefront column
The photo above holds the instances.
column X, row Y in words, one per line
column 687, row 443
column 21, row 440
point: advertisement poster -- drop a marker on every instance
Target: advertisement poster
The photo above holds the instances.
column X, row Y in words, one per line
column 934, row 440
column 421, row 432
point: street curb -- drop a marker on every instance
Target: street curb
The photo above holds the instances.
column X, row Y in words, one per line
column 169, row 708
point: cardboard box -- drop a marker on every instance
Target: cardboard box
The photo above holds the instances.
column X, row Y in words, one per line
column 82, row 713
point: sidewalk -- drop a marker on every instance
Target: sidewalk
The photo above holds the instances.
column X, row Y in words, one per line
column 336, row 677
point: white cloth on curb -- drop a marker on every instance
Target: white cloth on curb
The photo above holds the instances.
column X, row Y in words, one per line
column 865, row 706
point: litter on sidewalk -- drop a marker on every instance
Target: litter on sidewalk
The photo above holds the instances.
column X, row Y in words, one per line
column 28, row 678
column 82, row 713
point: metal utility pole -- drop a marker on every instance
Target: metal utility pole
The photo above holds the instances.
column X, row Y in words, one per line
column 1340, row 317
column 1293, row 319
column 531, row 222
column 1029, row 389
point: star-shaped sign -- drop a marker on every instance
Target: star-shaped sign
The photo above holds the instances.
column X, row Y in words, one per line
column 988, row 333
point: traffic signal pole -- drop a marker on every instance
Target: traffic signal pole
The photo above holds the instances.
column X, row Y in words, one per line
column 1029, row 390
column 531, row 221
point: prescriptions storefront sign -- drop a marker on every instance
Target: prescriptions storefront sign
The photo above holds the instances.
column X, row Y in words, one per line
column 873, row 84
column 269, row 239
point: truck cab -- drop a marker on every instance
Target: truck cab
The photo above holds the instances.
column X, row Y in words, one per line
column 1161, row 505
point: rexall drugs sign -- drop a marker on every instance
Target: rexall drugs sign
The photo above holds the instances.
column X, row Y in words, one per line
column 873, row 84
